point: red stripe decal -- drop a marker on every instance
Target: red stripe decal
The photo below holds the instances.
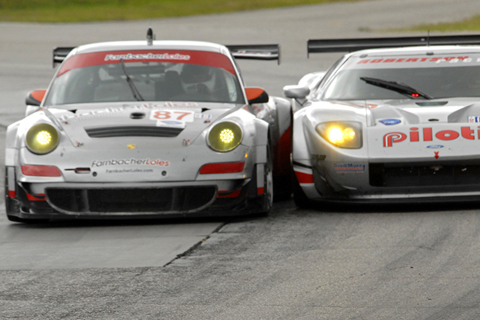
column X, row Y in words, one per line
column 12, row 194
column 228, row 167
column 41, row 171
column 260, row 191
column 33, row 198
column 304, row 177
column 205, row 58
column 233, row 194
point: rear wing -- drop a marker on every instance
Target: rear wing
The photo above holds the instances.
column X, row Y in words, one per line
column 60, row 53
column 349, row 45
column 256, row 51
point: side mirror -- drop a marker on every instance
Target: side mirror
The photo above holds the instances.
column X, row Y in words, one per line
column 35, row 98
column 256, row 95
column 296, row 92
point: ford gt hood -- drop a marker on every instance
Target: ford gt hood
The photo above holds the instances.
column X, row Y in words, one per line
column 422, row 130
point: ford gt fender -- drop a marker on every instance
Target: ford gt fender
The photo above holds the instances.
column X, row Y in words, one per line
column 302, row 165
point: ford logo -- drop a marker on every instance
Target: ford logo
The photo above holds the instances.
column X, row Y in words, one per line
column 435, row 146
column 390, row 122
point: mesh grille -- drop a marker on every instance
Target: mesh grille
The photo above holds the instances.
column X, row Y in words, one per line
column 421, row 175
column 111, row 201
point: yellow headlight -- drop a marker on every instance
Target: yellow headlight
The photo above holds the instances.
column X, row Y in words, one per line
column 338, row 135
column 225, row 136
column 335, row 135
column 342, row 134
column 42, row 138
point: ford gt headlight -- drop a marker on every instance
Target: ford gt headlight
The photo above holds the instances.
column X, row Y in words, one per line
column 42, row 138
column 225, row 136
column 343, row 134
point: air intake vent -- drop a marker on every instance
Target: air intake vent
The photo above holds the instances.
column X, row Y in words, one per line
column 136, row 131
column 132, row 200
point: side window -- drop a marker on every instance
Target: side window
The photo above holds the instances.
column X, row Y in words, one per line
column 327, row 76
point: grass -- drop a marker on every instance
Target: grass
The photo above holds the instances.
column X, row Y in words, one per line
column 471, row 24
column 52, row 11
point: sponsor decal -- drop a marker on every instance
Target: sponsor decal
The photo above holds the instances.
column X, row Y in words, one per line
column 130, row 162
column 473, row 119
column 170, row 105
column 349, row 167
column 147, row 56
column 198, row 57
column 454, row 59
column 109, row 112
column 129, row 170
column 390, row 122
column 428, row 134
column 170, row 123
column 435, row 146
column 203, row 116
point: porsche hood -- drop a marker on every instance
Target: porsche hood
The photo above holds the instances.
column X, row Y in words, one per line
column 179, row 120
column 147, row 139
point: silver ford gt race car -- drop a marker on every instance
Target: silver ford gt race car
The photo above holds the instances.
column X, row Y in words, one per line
column 398, row 120
column 147, row 129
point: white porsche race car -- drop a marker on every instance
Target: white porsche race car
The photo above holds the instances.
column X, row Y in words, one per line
column 148, row 129
column 398, row 120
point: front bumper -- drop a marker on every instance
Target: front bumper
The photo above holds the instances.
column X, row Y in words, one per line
column 59, row 201
column 408, row 182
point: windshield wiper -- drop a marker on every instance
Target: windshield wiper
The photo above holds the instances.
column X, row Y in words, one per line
column 397, row 86
column 136, row 93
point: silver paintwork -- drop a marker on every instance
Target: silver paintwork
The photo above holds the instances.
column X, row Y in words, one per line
column 328, row 173
column 121, row 162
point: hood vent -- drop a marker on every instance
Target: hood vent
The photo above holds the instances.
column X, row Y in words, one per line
column 431, row 104
column 133, row 131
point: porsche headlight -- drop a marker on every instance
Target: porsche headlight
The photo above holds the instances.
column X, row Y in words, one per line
column 343, row 134
column 42, row 138
column 225, row 136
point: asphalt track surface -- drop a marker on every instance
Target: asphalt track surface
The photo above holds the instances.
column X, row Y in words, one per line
column 387, row 262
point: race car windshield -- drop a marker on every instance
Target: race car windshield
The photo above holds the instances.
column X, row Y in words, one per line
column 448, row 79
column 146, row 81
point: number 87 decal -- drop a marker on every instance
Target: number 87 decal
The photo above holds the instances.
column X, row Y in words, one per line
column 178, row 115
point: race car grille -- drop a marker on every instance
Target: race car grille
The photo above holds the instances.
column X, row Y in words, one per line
column 135, row 131
column 131, row 200
column 401, row 175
